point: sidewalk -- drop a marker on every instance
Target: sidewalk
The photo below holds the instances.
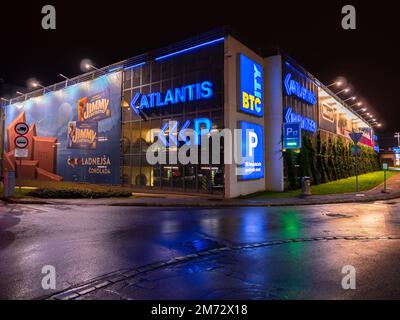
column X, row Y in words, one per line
column 173, row 200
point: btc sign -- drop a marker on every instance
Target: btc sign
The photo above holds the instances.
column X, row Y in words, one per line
column 251, row 86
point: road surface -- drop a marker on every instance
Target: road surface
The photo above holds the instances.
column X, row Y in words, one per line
column 88, row 242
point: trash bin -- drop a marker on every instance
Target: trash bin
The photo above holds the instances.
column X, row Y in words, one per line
column 9, row 183
column 305, row 186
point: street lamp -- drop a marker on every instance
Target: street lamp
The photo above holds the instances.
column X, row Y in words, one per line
column 62, row 76
column 36, row 84
column 20, row 93
column 351, row 98
column 4, row 99
column 344, row 90
column 89, row 66
column 337, row 83
column 358, row 104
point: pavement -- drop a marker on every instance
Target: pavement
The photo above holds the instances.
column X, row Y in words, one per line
column 179, row 200
column 118, row 252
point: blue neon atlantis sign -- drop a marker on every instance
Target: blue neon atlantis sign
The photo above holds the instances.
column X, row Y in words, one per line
column 251, row 86
column 189, row 93
column 294, row 87
column 306, row 123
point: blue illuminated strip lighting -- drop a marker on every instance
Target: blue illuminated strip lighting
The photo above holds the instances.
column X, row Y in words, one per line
column 204, row 44
column 135, row 66
column 115, row 69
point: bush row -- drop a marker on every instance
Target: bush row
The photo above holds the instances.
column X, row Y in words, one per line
column 325, row 160
column 75, row 193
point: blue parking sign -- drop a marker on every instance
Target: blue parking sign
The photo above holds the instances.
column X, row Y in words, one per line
column 292, row 135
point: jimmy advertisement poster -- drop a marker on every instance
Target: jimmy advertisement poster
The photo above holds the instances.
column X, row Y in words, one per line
column 74, row 133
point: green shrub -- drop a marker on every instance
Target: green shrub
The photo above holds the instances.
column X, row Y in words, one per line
column 49, row 193
column 326, row 160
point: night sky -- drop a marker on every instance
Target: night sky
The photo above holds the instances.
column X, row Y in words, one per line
column 109, row 31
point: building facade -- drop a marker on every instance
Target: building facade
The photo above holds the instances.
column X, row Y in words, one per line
column 99, row 127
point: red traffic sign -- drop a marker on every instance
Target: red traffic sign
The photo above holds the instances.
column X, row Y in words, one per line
column 21, row 142
column 355, row 136
column 21, row 128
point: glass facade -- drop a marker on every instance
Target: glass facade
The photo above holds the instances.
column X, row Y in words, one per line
column 153, row 80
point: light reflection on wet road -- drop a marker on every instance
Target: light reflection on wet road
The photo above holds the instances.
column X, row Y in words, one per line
column 84, row 242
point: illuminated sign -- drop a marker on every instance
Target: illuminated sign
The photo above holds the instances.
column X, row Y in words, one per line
column 306, row 123
column 82, row 135
column 292, row 135
column 188, row 93
column 295, row 88
column 201, row 126
column 328, row 112
column 251, row 86
column 396, row 149
column 95, row 107
column 252, row 151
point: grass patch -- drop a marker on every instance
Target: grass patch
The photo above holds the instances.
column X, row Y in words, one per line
column 366, row 182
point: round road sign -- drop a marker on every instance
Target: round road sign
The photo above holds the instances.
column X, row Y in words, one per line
column 21, row 128
column 21, row 142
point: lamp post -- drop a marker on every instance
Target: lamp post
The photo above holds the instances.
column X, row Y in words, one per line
column 338, row 83
column 351, row 98
column 397, row 135
column 344, row 90
column 89, row 66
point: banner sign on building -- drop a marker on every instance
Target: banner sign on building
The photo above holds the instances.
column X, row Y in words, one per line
column 252, row 151
column 82, row 135
column 74, row 133
column 94, row 108
column 251, row 86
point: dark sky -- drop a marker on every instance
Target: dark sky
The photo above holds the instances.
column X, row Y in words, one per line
column 108, row 31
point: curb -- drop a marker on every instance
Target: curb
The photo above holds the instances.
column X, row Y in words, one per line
column 211, row 203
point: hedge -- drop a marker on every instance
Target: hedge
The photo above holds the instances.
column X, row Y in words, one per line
column 325, row 160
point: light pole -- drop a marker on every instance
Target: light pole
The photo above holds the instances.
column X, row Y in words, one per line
column 344, row 90
column 397, row 135
column 351, row 98
column 338, row 83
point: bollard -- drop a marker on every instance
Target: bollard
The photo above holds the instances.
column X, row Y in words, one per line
column 9, row 184
column 305, row 186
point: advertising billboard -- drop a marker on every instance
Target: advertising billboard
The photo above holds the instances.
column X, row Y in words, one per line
column 74, row 133
column 251, row 86
column 252, row 151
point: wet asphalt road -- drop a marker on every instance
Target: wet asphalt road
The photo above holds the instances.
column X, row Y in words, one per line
column 85, row 242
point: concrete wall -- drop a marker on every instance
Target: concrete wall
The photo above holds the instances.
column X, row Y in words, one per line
column 273, row 123
column 234, row 187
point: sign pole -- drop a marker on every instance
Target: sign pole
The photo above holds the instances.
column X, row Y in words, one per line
column 356, row 167
column 385, row 167
column 20, row 174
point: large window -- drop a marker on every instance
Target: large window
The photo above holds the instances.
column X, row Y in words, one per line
column 202, row 65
